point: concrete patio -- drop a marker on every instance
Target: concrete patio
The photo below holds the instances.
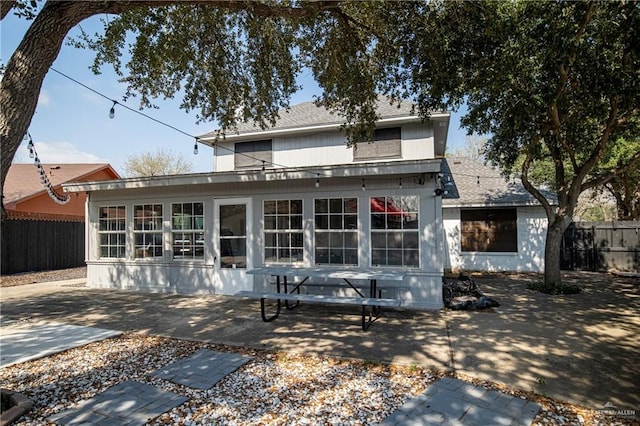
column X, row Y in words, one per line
column 580, row 348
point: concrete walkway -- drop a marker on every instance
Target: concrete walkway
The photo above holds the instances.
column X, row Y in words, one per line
column 127, row 403
column 454, row 402
column 26, row 342
column 580, row 348
column 203, row 369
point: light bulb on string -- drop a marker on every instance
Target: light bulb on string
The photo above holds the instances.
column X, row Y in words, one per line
column 318, row 181
column 195, row 148
column 364, row 188
column 262, row 171
column 400, row 183
column 112, row 111
column 30, row 146
column 44, row 180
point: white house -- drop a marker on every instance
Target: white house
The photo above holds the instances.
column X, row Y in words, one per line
column 293, row 195
column 491, row 224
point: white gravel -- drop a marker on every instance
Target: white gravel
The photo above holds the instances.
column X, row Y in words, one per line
column 273, row 388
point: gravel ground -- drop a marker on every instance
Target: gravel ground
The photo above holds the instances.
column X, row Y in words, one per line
column 43, row 276
column 275, row 388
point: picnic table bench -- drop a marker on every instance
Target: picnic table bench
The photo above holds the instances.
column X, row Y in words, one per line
column 370, row 305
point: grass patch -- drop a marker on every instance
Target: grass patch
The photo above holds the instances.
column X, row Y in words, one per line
column 554, row 288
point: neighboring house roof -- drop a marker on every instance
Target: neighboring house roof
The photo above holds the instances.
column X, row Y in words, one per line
column 475, row 184
column 308, row 115
column 23, row 180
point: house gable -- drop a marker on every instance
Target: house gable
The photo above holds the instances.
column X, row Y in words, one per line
column 308, row 135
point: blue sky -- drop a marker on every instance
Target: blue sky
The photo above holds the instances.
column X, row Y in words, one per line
column 71, row 123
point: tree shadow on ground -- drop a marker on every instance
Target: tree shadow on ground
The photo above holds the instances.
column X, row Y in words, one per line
column 578, row 348
column 581, row 348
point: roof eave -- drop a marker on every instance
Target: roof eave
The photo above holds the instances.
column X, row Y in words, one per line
column 211, row 139
column 480, row 204
column 276, row 174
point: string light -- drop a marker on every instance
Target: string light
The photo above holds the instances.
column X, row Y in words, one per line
column 419, row 179
column 44, row 179
column 112, row 111
column 400, row 183
column 29, row 145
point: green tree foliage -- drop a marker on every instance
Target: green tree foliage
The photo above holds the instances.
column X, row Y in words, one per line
column 234, row 60
column 624, row 187
column 159, row 163
column 555, row 82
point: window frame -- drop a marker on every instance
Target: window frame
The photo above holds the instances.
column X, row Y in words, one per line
column 381, row 228
column 194, row 244
column 507, row 238
column 253, row 154
column 385, row 143
column 280, row 238
column 158, row 230
column 231, row 245
column 119, row 233
column 334, row 233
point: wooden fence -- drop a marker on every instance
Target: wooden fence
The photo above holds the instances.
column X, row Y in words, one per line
column 598, row 246
column 41, row 245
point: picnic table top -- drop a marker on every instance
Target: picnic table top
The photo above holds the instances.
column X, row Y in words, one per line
column 355, row 274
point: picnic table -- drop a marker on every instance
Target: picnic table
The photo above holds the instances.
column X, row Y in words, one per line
column 289, row 291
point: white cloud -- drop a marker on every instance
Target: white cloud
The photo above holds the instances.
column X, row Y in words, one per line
column 44, row 99
column 64, row 152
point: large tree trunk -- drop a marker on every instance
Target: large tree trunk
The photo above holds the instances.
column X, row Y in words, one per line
column 26, row 70
column 553, row 245
column 29, row 64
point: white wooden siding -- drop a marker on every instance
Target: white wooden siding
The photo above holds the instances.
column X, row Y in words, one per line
column 532, row 230
column 329, row 148
column 167, row 275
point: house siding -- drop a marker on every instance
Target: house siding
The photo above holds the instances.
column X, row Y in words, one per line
column 532, row 229
column 421, row 289
column 330, row 148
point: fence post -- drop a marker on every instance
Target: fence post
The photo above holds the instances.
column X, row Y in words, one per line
column 594, row 253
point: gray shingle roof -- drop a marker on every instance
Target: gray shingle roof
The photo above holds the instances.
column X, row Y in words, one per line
column 476, row 184
column 308, row 114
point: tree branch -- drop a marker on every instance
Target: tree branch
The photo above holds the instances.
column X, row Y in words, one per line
column 28, row 65
column 526, row 164
column 598, row 152
column 5, row 7
column 634, row 161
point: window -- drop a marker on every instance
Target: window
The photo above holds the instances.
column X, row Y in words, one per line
column 283, row 231
column 111, row 231
column 336, row 231
column 394, row 231
column 233, row 236
column 489, row 230
column 386, row 143
column 147, row 230
column 252, row 155
column 187, row 226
